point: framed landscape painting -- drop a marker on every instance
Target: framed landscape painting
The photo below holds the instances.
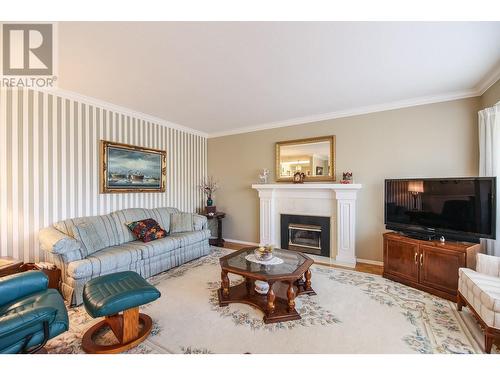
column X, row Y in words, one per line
column 132, row 169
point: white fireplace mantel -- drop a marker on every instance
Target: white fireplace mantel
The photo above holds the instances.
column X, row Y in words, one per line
column 338, row 201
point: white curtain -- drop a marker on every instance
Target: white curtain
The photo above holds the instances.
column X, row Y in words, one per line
column 489, row 161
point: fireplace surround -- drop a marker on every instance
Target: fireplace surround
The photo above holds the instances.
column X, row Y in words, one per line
column 337, row 202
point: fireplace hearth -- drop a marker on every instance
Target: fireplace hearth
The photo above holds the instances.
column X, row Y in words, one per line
column 307, row 234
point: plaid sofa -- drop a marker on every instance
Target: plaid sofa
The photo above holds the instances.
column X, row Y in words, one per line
column 109, row 246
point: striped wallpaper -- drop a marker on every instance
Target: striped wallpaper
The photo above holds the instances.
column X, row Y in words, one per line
column 49, row 171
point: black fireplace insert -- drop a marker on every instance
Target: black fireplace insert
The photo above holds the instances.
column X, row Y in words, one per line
column 307, row 234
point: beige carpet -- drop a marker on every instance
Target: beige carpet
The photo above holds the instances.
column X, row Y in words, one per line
column 352, row 312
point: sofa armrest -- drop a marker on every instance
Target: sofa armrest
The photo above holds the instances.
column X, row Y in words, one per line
column 19, row 285
column 199, row 222
column 488, row 264
column 57, row 242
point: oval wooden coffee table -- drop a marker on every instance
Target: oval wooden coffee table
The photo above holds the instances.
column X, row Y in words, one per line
column 286, row 281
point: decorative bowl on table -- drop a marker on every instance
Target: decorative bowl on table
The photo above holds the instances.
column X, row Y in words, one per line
column 261, row 287
column 264, row 253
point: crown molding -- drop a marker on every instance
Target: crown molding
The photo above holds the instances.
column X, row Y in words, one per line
column 352, row 112
column 478, row 90
column 488, row 81
column 117, row 108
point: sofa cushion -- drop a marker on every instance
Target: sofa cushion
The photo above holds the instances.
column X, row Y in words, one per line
column 155, row 248
column 122, row 217
column 102, row 230
column 89, row 237
column 147, row 230
column 164, row 245
column 189, row 238
column 483, row 293
column 106, row 261
column 181, row 222
column 162, row 216
column 199, row 221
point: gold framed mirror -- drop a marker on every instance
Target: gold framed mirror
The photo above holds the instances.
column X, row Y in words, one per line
column 315, row 157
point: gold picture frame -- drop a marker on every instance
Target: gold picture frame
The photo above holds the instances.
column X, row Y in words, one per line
column 132, row 169
column 330, row 176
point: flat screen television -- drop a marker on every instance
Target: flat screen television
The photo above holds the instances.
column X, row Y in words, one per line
column 461, row 209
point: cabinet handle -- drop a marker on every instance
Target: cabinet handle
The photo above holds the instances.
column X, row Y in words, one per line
column 421, row 260
column 416, row 255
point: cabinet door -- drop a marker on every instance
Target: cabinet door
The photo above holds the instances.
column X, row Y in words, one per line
column 401, row 259
column 439, row 268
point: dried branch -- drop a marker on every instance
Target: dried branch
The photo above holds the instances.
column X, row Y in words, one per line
column 209, row 186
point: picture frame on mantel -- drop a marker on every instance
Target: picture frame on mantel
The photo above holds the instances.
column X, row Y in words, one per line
column 132, row 169
column 312, row 157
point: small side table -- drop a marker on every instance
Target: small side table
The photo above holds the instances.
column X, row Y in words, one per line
column 9, row 266
column 54, row 275
column 219, row 241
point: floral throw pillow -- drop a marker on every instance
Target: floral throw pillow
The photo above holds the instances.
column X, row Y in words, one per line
column 147, row 230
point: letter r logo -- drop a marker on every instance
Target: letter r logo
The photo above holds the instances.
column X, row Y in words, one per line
column 27, row 49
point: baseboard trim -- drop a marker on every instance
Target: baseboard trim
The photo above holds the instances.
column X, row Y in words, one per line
column 327, row 261
column 241, row 242
column 358, row 260
column 372, row 262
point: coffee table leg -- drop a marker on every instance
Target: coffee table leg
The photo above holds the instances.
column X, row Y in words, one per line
column 225, row 283
column 270, row 300
column 250, row 285
column 291, row 297
column 308, row 279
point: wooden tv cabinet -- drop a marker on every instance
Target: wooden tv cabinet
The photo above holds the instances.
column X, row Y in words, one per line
column 431, row 266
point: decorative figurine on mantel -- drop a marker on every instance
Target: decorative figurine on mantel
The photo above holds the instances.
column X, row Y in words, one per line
column 264, row 176
column 299, row 177
column 346, row 178
column 208, row 187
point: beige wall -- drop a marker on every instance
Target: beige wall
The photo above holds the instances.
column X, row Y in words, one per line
column 491, row 96
column 425, row 141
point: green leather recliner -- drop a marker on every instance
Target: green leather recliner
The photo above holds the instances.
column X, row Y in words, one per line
column 30, row 313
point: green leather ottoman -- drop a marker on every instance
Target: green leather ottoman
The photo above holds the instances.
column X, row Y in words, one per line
column 109, row 295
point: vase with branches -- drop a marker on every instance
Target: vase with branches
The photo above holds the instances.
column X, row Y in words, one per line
column 208, row 187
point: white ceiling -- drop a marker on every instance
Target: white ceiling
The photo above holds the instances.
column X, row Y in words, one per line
column 222, row 78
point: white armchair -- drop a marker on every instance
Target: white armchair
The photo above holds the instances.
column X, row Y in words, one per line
column 480, row 291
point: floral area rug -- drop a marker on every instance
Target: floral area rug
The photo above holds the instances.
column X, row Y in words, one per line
column 353, row 312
